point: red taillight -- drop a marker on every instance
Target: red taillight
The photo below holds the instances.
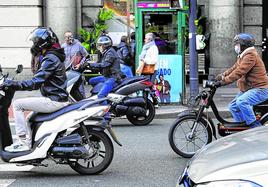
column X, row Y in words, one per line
column 147, row 83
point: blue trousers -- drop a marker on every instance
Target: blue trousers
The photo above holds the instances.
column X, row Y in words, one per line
column 108, row 85
column 241, row 106
column 127, row 70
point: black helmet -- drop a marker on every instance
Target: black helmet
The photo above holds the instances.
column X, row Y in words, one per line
column 42, row 38
column 244, row 39
column 104, row 41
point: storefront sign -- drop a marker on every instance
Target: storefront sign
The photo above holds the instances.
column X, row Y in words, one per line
column 153, row 5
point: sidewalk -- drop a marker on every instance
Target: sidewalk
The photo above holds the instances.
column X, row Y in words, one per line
column 222, row 97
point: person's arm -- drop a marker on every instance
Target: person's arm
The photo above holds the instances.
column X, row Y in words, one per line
column 242, row 69
column 107, row 61
column 83, row 52
column 47, row 68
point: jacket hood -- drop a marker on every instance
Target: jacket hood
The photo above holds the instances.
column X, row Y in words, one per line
column 58, row 52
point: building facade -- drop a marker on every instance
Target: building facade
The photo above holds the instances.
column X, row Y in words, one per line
column 224, row 20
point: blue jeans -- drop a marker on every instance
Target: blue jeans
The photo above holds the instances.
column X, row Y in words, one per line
column 108, row 85
column 127, row 70
column 241, row 106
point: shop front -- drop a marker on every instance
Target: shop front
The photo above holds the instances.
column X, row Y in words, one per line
column 168, row 25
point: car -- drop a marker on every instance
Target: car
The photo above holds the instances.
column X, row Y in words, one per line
column 238, row 160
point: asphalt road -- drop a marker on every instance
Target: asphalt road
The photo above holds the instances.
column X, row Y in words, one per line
column 144, row 160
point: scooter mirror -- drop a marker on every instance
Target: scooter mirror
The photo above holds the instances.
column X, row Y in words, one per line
column 19, row 68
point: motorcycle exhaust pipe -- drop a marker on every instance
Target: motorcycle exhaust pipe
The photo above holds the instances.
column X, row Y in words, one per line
column 137, row 101
column 69, row 152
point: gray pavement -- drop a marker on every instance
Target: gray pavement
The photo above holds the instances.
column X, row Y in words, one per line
column 222, row 97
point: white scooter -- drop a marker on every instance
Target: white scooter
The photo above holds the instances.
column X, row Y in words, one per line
column 62, row 136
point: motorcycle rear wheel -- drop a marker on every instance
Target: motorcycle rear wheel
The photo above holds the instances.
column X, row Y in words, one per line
column 143, row 120
column 101, row 154
column 179, row 136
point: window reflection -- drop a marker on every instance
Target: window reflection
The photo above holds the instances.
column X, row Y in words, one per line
column 165, row 28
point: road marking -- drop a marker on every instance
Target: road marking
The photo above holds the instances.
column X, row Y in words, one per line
column 14, row 167
column 6, row 182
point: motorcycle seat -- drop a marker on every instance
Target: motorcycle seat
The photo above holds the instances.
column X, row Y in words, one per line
column 129, row 81
column 40, row 117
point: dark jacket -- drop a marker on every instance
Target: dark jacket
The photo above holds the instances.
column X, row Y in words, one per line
column 109, row 65
column 123, row 53
column 50, row 78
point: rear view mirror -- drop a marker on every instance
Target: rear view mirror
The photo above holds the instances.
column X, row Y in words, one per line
column 19, row 68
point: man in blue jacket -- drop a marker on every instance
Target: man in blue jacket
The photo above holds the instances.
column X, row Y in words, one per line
column 50, row 79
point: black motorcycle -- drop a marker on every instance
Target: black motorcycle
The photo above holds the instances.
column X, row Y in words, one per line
column 194, row 128
column 140, row 110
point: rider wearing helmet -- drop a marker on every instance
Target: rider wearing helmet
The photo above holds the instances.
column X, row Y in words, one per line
column 50, row 79
column 108, row 65
column 252, row 80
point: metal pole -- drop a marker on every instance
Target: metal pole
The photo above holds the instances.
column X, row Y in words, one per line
column 194, row 88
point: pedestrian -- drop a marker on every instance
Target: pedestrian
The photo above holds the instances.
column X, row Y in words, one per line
column 165, row 90
column 124, row 54
column 252, row 80
column 148, row 58
column 132, row 47
column 50, row 78
column 157, row 88
column 76, row 55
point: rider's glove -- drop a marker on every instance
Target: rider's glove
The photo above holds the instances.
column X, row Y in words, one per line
column 218, row 84
column 219, row 77
column 10, row 84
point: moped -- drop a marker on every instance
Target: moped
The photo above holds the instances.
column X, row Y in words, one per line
column 194, row 128
column 139, row 110
column 62, row 136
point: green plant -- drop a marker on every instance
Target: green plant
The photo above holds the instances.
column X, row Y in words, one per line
column 90, row 36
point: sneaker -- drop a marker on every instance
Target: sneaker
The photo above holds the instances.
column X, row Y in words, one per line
column 21, row 145
column 255, row 124
column 156, row 106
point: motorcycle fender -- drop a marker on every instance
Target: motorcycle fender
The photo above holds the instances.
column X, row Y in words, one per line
column 194, row 113
column 95, row 128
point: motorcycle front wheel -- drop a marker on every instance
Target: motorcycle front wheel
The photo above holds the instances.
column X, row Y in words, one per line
column 100, row 150
column 180, row 138
column 143, row 120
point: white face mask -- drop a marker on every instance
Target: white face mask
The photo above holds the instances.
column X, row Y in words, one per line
column 237, row 49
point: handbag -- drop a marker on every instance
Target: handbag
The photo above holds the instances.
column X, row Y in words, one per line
column 140, row 68
column 148, row 69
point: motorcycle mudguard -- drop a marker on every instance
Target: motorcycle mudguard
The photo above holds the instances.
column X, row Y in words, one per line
column 189, row 112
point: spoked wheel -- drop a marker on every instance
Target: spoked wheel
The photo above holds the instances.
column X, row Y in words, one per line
column 143, row 120
column 183, row 142
column 101, row 151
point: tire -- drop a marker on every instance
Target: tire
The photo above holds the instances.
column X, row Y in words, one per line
column 141, row 120
column 99, row 141
column 264, row 121
column 185, row 125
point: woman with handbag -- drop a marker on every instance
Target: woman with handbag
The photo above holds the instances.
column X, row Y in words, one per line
column 148, row 58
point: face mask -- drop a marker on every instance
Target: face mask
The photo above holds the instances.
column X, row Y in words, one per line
column 237, row 49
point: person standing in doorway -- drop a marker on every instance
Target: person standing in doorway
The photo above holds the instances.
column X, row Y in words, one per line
column 149, row 55
column 76, row 55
